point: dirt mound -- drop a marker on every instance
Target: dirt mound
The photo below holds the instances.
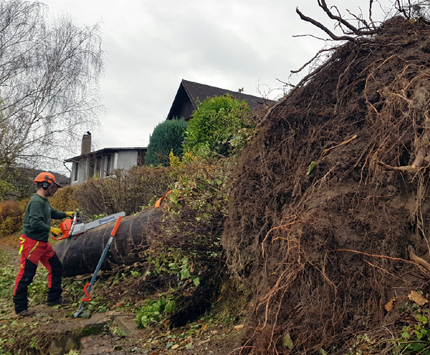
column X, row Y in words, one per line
column 332, row 192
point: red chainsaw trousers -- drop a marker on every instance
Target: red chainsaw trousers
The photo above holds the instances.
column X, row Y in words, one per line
column 33, row 251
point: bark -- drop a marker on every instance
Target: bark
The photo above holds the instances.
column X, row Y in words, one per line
column 81, row 254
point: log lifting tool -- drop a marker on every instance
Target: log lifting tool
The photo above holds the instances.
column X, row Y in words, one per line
column 87, row 287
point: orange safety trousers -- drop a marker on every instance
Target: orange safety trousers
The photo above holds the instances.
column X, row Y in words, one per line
column 32, row 251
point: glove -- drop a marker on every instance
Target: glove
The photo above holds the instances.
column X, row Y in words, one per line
column 55, row 231
column 70, row 214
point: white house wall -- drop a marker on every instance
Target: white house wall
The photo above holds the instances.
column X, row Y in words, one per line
column 82, row 171
column 123, row 159
column 126, row 159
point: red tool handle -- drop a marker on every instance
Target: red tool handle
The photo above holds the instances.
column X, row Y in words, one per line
column 118, row 221
column 88, row 298
column 63, row 236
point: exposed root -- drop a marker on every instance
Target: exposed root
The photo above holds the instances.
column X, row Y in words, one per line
column 304, row 241
column 417, row 259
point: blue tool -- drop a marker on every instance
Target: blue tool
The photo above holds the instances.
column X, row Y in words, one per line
column 87, row 287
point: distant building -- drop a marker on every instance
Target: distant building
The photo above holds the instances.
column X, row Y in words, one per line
column 190, row 94
column 103, row 162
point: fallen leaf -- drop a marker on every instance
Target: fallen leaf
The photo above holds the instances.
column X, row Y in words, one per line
column 175, row 346
column 238, row 327
column 288, row 342
column 389, row 305
column 417, row 298
column 214, row 331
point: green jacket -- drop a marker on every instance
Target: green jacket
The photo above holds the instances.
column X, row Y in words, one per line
column 37, row 218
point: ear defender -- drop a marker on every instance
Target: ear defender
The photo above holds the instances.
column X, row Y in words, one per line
column 45, row 184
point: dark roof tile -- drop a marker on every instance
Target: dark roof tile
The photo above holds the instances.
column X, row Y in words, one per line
column 196, row 93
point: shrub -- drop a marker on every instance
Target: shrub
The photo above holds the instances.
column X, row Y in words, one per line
column 220, row 124
column 15, row 184
column 167, row 136
column 11, row 216
column 6, row 189
column 154, row 312
column 64, row 199
column 127, row 191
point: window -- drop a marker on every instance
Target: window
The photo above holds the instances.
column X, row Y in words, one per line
column 75, row 178
column 109, row 165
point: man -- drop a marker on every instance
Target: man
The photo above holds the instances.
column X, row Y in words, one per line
column 34, row 245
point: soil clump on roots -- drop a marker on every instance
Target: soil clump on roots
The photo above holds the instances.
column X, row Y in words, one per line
column 330, row 203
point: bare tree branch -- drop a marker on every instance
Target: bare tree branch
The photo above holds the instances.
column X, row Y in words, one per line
column 339, row 19
column 48, row 79
column 325, row 29
column 311, row 60
column 351, row 29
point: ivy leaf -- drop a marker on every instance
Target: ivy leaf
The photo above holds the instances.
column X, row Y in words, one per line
column 171, row 307
column 196, row 281
column 185, row 274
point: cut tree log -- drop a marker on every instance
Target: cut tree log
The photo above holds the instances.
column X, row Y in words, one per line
column 80, row 254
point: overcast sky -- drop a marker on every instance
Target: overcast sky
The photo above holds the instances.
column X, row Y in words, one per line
column 150, row 46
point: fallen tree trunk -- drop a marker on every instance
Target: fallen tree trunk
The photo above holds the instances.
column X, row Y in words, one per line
column 81, row 254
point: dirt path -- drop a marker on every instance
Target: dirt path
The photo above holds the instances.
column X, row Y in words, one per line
column 14, row 255
column 119, row 333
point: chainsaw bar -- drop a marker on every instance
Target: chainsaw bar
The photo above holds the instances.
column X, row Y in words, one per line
column 80, row 228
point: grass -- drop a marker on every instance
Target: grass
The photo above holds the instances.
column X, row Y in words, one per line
column 36, row 291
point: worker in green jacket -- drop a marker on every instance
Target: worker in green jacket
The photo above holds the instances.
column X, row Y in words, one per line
column 34, row 245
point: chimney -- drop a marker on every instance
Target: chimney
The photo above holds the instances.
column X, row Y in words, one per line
column 86, row 143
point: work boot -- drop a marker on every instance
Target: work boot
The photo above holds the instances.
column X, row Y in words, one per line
column 61, row 301
column 26, row 313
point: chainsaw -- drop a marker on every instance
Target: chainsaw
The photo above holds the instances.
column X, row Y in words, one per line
column 74, row 227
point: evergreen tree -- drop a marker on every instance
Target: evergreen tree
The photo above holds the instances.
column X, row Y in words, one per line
column 167, row 136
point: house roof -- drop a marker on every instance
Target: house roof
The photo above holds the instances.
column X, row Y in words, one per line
column 103, row 151
column 196, row 93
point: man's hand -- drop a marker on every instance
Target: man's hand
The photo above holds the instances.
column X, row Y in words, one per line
column 55, row 231
column 70, row 214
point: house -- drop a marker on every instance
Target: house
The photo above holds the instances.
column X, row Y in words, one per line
column 103, row 162
column 190, row 94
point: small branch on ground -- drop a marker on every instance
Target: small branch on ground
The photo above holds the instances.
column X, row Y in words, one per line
column 417, row 259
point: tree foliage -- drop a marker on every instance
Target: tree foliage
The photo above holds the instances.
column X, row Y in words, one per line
column 218, row 125
column 49, row 73
column 167, row 136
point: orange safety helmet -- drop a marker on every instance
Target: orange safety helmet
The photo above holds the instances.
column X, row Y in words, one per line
column 47, row 179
